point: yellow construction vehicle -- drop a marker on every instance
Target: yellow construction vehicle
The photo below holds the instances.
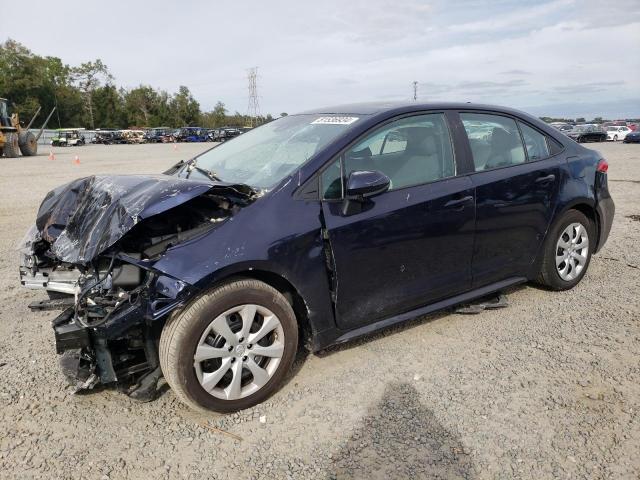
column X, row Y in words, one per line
column 13, row 137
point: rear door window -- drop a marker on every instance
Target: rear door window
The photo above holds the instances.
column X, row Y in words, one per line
column 495, row 140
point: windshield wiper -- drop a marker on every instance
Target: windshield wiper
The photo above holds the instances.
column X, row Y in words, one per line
column 191, row 166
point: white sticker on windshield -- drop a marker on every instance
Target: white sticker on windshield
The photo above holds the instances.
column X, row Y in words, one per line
column 334, row 121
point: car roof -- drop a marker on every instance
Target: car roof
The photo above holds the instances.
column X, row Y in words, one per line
column 373, row 108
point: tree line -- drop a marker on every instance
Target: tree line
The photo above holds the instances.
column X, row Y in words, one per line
column 87, row 96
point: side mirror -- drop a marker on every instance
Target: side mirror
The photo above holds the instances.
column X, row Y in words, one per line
column 363, row 184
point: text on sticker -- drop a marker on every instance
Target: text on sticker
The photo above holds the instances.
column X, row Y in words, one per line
column 334, row 121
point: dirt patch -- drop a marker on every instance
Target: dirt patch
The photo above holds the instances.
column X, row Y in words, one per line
column 546, row 388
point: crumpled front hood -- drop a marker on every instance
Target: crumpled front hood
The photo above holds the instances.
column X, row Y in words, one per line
column 86, row 216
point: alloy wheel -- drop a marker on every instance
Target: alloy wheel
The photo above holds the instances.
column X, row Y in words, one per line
column 239, row 352
column 572, row 250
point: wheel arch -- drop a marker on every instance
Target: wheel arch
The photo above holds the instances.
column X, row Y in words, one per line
column 283, row 285
column 587, row 207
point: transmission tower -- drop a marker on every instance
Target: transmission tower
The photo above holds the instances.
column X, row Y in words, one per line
column 415, row 91
column 254, row 106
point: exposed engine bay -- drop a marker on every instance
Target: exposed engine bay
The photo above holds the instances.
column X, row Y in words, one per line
column 93, row 249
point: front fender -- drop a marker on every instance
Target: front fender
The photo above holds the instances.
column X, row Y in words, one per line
column 278, row 235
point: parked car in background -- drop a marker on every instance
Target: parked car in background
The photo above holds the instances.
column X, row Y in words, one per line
column 114, row 137
column 103, row 136
column 616, row 133
column 632, row 137
column 133, row 136
column 192, row 134
column 68, row 137
column 313, row 229
column 563, row 127
column 156, row 135
column 587, row 133
column 226, row 133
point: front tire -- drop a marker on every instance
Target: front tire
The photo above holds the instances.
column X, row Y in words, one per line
column 11, row 145
column 28, row 144
column 231, row 348
column 615, row 138
column 567, row 251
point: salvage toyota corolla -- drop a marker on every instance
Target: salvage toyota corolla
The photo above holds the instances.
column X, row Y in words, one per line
column 306, row 232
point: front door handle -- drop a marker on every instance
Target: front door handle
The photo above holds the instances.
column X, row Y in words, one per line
column 546, row 179
column 459, row 203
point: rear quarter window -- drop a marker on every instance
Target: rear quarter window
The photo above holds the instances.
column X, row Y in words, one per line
column 534, row 142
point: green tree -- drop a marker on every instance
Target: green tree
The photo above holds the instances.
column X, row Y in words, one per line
column 29, row 81
column 214, row 118
column 142, row 105
column 185, row 109
column 108, row 106
column 88, row 77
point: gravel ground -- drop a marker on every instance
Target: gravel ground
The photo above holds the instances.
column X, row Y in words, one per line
column 547, row 388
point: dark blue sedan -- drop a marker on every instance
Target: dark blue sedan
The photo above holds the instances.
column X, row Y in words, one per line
column 306, row 232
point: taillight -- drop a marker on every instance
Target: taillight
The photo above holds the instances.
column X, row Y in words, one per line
column 603, row 166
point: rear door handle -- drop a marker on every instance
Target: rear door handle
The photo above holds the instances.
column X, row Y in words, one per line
column 546, row 179
column 459, row 203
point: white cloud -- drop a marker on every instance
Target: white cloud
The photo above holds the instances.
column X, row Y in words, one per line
column 315, row 53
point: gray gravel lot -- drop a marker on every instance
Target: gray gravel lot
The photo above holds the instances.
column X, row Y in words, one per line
column 547, row 388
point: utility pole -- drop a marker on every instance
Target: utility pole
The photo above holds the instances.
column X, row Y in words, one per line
column 415, row 91
column 254, row 107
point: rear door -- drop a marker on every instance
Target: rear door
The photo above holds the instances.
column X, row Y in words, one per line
column 516, row 182
column 410, row 245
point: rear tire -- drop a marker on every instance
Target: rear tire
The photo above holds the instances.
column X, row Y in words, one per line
column 567, row 251
column 11, row 146
column 213, row 326
column 28, row 144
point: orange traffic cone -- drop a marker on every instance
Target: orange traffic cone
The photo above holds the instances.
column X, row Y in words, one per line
column 76, row 160
column 51, row 155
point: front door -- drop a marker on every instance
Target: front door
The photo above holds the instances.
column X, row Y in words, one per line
column 410, row 245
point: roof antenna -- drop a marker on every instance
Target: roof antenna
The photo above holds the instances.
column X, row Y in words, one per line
column 415, row 91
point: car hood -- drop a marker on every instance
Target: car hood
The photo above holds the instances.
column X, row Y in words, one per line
column 85, row 217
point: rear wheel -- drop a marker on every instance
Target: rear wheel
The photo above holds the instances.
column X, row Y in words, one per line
column 11, row 145
column 28, row 144
column 567, row 251
column 615, row 138
column 231, row 348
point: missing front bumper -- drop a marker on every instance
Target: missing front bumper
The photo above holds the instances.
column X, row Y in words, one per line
column 122, row 353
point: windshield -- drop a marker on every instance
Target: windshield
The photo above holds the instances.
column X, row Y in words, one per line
column 267, row 154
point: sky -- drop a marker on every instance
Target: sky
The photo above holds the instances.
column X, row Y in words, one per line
column 558, row 57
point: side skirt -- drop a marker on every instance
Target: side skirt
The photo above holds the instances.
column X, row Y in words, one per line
column 334, row 337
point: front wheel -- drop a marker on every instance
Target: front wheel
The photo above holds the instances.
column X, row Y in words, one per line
column 28, row 144
column 230, row 349
column 567, row 251
column 11, row 145
column 615, row 138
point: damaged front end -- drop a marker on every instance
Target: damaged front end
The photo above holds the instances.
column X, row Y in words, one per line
column 93, row 249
